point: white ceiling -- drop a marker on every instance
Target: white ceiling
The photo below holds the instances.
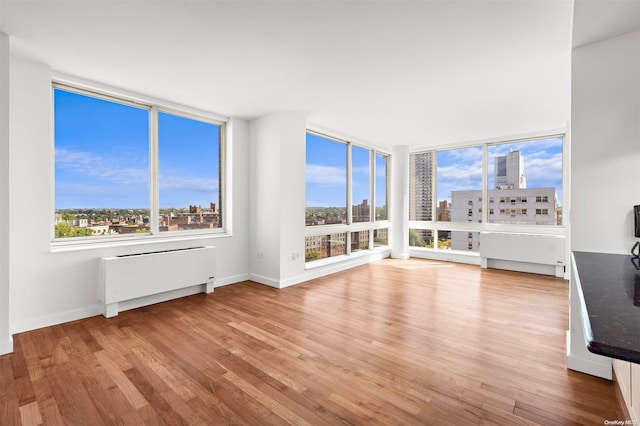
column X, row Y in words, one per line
column 420, row 73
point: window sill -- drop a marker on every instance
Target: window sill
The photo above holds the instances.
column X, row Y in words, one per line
column 78, row 245
column 344, row 257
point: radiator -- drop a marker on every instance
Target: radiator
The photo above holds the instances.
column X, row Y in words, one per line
column 544, row 254
column 128, row 277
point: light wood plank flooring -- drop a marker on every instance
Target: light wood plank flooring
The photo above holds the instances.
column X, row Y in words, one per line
column 393, row 342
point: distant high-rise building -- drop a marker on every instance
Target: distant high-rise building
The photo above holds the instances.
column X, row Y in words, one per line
column 508, row 171
column 421, row 186
column 510, row 202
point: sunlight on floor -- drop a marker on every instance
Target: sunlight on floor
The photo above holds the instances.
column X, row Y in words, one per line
column 416, row 263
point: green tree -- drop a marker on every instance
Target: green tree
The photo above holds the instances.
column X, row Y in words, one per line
column 415, row 240
column 68, row 216
column 64, row 230
column 312, row 255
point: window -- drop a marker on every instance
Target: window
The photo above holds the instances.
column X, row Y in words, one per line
column 108, row 179
column 360, row 184
column 532, row 168
column 514, row 175
column 323, row 246
column 189, row 173
column 421, row 238
column 335, row 171
column 380, row 237
column 326, row 181
column 459, row 178
column 382, row 177
column 359, row 241
column 421, row 186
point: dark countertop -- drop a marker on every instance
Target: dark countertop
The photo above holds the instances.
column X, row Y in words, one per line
column 610, row 292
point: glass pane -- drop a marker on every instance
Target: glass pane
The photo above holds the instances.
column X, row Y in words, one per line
column 525, row 182
column 380, row 237
column 322, row 246
column 382, row 195
column 465, row 241
column 359, row 241
column 421, row 238
column 101, row 166
column 444, row 240
column 326, row 181
column 421, row 186
column 360, row 183
column 459, row 178
column 189, row 173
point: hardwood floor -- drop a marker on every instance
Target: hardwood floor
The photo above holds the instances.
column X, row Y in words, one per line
column 393, row 342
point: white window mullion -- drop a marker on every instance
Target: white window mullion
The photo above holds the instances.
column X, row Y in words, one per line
column 349, row 186
column 372, row 186
column 154, row 210
column 485, row 182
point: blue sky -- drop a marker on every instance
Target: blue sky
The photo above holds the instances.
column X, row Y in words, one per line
column 326, row 170
column 458, row 169
column 102, row 156
column 461, row 169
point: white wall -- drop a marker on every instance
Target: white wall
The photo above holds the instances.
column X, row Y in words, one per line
column 52, row 287
column 277, row 170
column 605, row 133
column 399, row 213
column 6, row 343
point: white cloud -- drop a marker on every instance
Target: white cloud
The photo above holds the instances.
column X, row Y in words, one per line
column 326, row 175
column 125, row 169
column 188, row 183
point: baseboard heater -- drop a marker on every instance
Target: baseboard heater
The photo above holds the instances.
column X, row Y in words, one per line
column 139, row 276
column 541, row 254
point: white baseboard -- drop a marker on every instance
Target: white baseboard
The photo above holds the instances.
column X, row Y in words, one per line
column 261, row 279
column 232, row 279
column 594, row 365
column 6, row 347
column 54, row 319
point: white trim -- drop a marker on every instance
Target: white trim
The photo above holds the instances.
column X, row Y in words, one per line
column 133, row 242
column 129, row 95
column 6, row 347
column 33, row 323
column 345, row 138
column 261, row 279
column 233, row 279
column 595, row 365
column 520, row 137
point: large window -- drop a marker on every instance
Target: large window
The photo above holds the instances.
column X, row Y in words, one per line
column 346, row 197
column 522, row 182
column 524, row 177
column 360, row 184
column 124, row 168
column 459, row 180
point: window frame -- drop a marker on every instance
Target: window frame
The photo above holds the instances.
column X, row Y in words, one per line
column 350, row 227
column 436, row 226
column 154, row 106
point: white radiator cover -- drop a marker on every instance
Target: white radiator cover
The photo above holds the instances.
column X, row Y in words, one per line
column 543, row 254
column 138, row 276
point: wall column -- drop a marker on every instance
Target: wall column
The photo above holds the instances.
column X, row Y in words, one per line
column 400, row 202
column 276, row 198
column 6, row 341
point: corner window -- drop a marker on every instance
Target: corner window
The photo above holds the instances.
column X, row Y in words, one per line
column 346, row 197
column 126, row 168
